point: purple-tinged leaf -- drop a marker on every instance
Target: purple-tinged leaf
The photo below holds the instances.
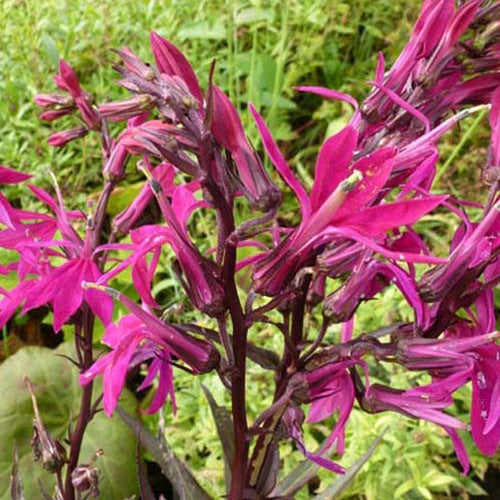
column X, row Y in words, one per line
column 224, row 425
column 172, row 467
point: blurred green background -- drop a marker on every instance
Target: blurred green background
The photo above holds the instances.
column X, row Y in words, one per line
column 263, row 49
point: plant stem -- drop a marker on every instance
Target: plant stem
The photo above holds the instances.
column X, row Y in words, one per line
column 238, row 373
column 84, row 416
column 85, row 351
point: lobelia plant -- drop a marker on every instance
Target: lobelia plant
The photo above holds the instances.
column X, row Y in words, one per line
column 354, row 238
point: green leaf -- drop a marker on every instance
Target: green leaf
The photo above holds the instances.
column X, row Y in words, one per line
column 344, row 481
column 50, row 48
column 404, row 488
column 224, row 424
column 203, row 30
column 122, row 197
column 172, row 467
column 252, row 15
column 58, row 393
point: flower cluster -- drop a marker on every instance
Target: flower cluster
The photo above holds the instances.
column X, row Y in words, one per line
column 356, row 236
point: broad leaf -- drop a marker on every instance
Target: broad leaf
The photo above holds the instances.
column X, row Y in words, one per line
column 58, row 392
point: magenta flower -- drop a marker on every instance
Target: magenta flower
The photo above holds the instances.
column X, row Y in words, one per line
column 61, row 288
column 469, row 355
column 60, row 139
column 200, row 355
column 132, row 343
column 201, row 280
column 421, row 406
column 164, row 174
column 339, row 204
column 67, row 80
column 228, row 130
column 330, row 389
column 293, row 419
column 171, row 61
column 371, row 277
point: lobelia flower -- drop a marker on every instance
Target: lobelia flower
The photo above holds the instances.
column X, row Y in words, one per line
column 420, row 406
column 128, row 108
column 472, row 248
column 466, row 353
column 227, row 128
column 60, row 139
column 178, row 86
column 330, row 388
column 132, row 343
column 164, row 174
column 170, row 60
column 9, row 176
column 293, row 418
column 202, row 281
column 58, row 286
column 339, row 206
column 426, row 80
column 200, row 355
column 164, row 141
column 367, row 279
column 67, row 80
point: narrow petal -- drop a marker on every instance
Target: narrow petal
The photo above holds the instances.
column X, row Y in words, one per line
column 329, row 94
column 171, row 61
column 332, row 164
column 280, row 163
column 460, row 450
column 9, row 176
column 374, row 221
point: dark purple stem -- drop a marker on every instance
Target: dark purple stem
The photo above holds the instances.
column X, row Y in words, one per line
column 83, row 343
column 84, row 416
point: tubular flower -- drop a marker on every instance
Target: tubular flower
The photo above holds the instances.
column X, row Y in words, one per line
column 339, row 205
column 132, row 343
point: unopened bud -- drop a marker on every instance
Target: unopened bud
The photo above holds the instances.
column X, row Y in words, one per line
column 121, row 110
column 85, row 478
column 60, row 139
column 45, row 448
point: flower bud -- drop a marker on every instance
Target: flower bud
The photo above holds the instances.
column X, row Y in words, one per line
column 122, row 110
column 48, row 100
column 85, row 478
column 135, row 65
column 171, row 61
column 60, row 139
column 227, row 128
column 45, row 448
column 114, row 168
